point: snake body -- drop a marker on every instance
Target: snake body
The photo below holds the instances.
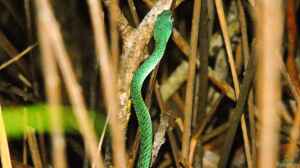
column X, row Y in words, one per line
column 162, row 32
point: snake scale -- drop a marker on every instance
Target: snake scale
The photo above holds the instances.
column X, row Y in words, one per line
column 162, row 32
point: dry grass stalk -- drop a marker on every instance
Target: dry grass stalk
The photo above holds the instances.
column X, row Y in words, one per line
column 113, row 7
column 190, row 83
column 34, row 149
column 293, row 73
column 133, row 12
column 4, row 148
column 224, row 28
column 103, row 134
column 9, row 48
column 269, row 32
column 51, row 27
column 17, row 57
column 54, row 98
column 108, row 81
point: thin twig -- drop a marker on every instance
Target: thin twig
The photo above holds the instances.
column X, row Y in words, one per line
column 215, row 132
column 133, row 12
column 224, row 28
column 103, row 134
column 251, row 113
column 190, row 84
column 17, row 57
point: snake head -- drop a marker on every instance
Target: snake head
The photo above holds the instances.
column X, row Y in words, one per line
column 163, row 26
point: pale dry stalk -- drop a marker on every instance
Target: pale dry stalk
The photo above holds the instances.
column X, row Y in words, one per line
column 269, row 32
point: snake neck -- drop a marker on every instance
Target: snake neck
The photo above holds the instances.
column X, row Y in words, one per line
column 149, row 64
column 156, row 56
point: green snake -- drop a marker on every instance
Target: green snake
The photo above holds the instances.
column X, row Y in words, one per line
column 162, row 32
